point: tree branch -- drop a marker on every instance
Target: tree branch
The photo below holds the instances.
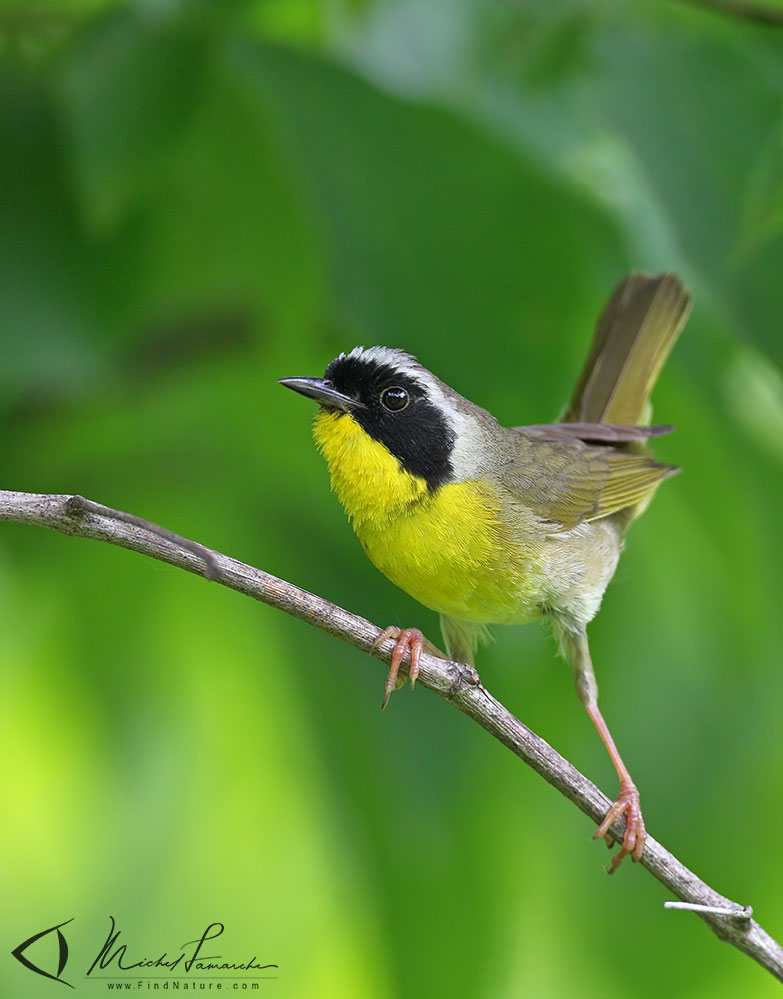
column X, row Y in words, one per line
column 456, row 683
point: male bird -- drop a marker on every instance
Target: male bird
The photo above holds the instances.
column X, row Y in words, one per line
column 493, row 525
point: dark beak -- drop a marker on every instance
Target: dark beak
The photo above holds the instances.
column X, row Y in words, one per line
column 323, row 392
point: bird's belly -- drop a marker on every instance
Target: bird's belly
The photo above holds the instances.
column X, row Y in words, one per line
column 452, row 553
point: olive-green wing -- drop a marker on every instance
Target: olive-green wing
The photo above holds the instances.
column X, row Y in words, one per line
column 568, row 483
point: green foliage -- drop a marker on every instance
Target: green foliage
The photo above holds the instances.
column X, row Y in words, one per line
column 199, row 198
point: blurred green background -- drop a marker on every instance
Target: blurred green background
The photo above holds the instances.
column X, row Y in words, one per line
column 200, row 197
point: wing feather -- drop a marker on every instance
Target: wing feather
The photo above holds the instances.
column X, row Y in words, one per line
column 568, row 482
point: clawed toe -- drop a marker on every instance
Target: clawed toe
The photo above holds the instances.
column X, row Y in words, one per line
column 627, row 804
column 409, row 640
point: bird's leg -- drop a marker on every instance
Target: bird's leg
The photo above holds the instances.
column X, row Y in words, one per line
column 408, row 640
column 627, row 802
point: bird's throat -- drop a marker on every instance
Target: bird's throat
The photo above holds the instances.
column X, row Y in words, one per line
column 370, row 482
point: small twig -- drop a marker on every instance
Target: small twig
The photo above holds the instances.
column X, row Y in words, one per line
column 77, row 506
column 715, row 910
column 460, row 685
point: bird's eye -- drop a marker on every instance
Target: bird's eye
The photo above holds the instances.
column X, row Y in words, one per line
column 394, row 398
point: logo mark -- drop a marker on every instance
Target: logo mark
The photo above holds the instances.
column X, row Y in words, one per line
column 18, row 953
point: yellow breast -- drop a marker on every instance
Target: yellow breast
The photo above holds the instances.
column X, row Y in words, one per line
column 449, row 548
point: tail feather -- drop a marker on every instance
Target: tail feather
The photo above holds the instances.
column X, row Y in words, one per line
column 634, row 336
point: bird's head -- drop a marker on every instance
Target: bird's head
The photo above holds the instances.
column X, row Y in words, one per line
column 378, row 402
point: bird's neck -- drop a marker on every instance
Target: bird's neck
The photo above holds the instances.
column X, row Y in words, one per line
column 370, row 482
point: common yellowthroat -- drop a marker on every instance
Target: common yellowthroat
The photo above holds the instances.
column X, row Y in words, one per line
column 495, row 525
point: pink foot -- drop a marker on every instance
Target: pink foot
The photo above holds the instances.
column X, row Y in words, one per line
column 627, row 804
column 408, row 640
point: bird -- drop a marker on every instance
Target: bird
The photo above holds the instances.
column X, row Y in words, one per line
column 492, row 525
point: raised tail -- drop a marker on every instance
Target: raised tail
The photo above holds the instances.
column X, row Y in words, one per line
column 633, row 338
